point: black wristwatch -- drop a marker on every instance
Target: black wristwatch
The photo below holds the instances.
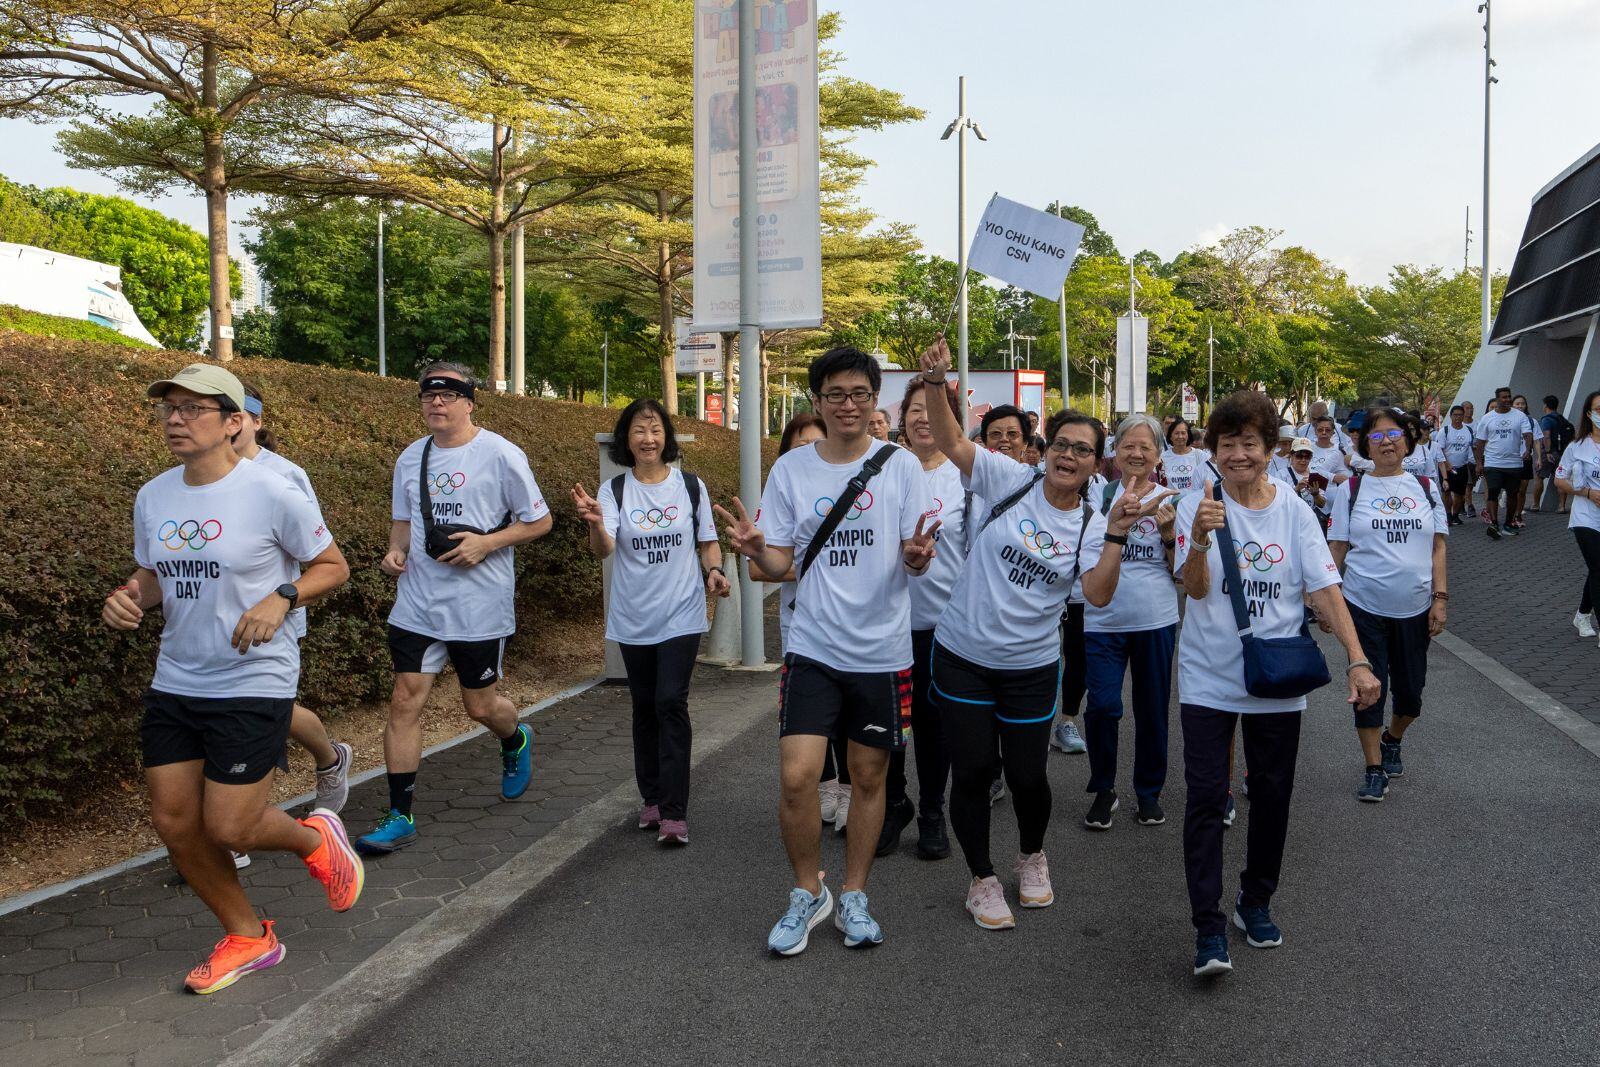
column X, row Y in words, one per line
column 289, row 593
column 1116, row 539
column 718, row 569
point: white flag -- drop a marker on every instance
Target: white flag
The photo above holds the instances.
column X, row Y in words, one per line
column 1031, row 249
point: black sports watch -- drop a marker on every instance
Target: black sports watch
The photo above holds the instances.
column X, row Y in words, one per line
column 289, row 593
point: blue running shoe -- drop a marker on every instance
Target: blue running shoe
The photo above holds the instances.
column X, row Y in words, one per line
column 393, row 832
column 1066, row 738
column 858, row 927
column 1392, row 766
column 517, row 766
column 793, row 932
column 1256, row 922
column 1375, row 788
column 1211, row 955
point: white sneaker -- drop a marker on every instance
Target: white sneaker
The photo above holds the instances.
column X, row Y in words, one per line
column 986, row 903
column 333, row 784
column 241, row 860
column 1033, row 887
column 1585, row 624
column 843, row 816
column 828, row 797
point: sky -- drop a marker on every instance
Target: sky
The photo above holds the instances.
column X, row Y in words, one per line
column 1356, row 126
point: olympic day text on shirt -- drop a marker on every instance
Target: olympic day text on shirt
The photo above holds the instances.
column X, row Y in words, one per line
column 1502, row 437
column 1144, row 598
column 853, row 607
column 1580, row 465
column 1390, row 531
column 656, row 589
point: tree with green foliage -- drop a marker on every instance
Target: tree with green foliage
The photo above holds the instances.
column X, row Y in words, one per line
column 918, row 299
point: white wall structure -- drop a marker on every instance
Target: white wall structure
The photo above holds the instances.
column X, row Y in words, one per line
column 55, row 284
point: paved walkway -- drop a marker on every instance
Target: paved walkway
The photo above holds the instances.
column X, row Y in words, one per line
column 95, row 976
column 1514, row 600
column 1456, row 923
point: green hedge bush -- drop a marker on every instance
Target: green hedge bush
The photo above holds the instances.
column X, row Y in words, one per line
column 78, row 442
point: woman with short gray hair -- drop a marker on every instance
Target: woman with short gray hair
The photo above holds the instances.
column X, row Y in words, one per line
column 1138, row 628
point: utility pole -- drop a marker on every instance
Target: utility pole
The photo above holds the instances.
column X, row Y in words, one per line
column 519, row 353
column 1211, row 365
column 1489, row 81
column 1466, row 245
column 605, row 369
column 959, row 127
column 383, row 356
column 1011, row 339
column 752, row 644
column 1027, row 339
column 1061, row 308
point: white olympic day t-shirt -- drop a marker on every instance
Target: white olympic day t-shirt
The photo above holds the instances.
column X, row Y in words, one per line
column 476, row 483
column 1580, row 465
column 1279, row 555
column 1389, row 568
column 1423, row 462
column 1329, row 462
column 1279, row 467
column 295, row 476
column 931, row 592
column 218, row 550
column 1340, row 438
column 1145, row 598
column 656, row 589
column 1187, row 471
column 1455, row 444
column 1502, row 437
column 1005, row 611
column 852, row 610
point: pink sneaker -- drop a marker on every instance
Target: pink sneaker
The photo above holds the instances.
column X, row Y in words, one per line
column 1033, row 889
column 986, row 903
column 673, row 832
column 649, row 817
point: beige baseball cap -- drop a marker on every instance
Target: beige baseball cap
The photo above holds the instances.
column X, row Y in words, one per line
column 1301, row 444
column 207, row 379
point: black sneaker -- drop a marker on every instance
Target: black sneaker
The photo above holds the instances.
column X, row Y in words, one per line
column 932, row 841
column 1150, row 813
column 1494, row 532
column 895, row 820
column 1099, row 816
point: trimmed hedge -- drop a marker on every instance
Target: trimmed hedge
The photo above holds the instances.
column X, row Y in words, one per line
column 78, row 444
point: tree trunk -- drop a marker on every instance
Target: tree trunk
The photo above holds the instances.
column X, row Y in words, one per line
column 669, row 370
column 216, row 189
column 497, row 263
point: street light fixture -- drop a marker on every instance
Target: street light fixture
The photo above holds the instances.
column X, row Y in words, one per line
column 958, row 128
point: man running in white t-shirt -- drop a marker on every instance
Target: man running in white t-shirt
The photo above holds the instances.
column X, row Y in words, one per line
column 1502, row 437
column 847, row 670
column 219, row 542
column 455, row 598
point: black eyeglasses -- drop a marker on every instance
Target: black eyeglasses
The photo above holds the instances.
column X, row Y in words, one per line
column 1077, row 448
column 855, row 396
column 443, row 396
column 188, row 412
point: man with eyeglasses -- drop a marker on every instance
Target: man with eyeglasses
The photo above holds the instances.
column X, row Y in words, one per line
column 1502, row 436
column 455, row 595
column 847, row 671
column 217, row 543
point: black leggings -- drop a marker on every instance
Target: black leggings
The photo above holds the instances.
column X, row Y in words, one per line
column 1075, row 663
column 979, row 706
column 658, row 679
column 1589, row 545
column 927, row 737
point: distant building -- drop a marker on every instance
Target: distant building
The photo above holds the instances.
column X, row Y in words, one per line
column 1546, row 338
column 253, row 291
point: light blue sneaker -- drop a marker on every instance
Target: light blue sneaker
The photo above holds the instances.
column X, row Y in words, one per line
column 1065, row 737
column 517, row 766
column 859, row 928
column 394, row 831
column 793, row 932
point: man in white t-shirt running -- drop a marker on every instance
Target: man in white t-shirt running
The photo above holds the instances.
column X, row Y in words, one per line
column 1502, row 437
column 218, row 542
column 847, row 670
column 455, row 598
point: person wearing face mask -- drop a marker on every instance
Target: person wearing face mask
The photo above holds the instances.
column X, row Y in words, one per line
column 1134, row 634
column 1578, row 475
column 1388, row 538
column 995, row 668
column 1532, row 458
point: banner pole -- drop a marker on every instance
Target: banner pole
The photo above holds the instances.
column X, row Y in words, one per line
column 752, row 643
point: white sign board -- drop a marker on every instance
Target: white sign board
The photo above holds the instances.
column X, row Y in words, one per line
column 697, row 353
column 1191, row 404
column 986, row 389
column 787, row 211
column 1031, row 249
column 1133, row 363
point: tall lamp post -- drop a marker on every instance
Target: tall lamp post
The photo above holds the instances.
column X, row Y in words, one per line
column 752, row 645
column 383, row 355
column 1061, row 307
column 1489, row 81
column 959, row 127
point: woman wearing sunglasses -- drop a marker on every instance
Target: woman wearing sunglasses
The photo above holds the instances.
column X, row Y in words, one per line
column 1388, row 537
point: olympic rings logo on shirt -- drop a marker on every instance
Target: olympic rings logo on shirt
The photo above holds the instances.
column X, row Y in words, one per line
column 1253, row 555
column 1394, row 505
column 190, row 533
column 654, row 517
column 446, row 484
column 1144, row 529
column 863, row 504
column 1041, row 543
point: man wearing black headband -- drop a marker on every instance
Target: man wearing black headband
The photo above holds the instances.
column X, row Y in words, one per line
column 457, row 602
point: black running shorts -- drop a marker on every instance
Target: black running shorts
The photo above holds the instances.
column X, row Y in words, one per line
column 1502, row 480
column 872, row 709
column 240, row 739
column 478, row 664
column 1458, row 480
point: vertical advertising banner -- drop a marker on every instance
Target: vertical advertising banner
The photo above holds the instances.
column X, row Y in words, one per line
column 787, row 209
column 1133, row 363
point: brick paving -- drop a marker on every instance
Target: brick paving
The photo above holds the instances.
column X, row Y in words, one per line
column 1513, row 599
column 95, row 976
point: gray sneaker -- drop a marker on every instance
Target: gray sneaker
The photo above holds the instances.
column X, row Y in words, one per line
column 333, row 784
column 1066, row 738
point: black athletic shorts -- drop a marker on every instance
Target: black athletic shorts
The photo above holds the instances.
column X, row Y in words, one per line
column 1458, row 480
column 240, row 738
column 1527, row 470
column 872, row 709
column 1501, row 480
column 1547, row 466
column 478, row 664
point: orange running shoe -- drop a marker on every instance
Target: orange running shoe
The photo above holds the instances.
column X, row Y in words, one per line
column 334, row 863
column 233, row 958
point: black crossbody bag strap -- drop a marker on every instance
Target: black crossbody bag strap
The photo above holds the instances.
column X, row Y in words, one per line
column 852, row 491
column 692, row 484
column 1230, row 574
column 422, row 488
column 1005, row 506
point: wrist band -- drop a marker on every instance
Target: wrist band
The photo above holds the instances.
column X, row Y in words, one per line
column 1357, row 663
column 1169, row 543
column 1201, row 545
column 1441, row 596
column 1116, row 539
